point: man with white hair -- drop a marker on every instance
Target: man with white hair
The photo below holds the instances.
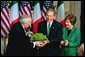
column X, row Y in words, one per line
column 18, row 42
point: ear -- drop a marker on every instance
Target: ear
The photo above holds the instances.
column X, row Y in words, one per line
column 55, row 16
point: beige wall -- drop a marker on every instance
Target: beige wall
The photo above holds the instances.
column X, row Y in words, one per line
column 72, row 7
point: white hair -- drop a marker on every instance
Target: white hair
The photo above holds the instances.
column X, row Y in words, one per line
column 25, row 19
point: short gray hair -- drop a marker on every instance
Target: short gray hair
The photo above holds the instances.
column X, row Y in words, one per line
column 25, row 19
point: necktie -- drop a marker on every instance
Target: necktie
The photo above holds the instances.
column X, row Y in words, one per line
column 48, row 28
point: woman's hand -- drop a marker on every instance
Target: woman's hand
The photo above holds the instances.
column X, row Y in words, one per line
column 62, row 42
column 66, row 42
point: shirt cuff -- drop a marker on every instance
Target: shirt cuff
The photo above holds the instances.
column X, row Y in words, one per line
column 33, row 44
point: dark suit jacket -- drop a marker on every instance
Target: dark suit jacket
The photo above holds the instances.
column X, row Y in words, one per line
column 18, row 42
column 54, row 37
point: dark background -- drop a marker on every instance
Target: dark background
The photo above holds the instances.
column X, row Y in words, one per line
column 82, row 21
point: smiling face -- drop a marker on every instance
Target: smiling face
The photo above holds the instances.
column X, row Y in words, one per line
column 68, row 24
column 70, row 21
column 50, row 15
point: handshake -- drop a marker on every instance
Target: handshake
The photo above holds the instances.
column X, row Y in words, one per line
column 40, row 43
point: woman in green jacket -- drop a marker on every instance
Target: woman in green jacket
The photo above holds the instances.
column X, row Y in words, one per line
column 71, row 37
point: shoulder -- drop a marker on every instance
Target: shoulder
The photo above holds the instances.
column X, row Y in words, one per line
column 56, row 23
column 43, row 22
column 16, row 26
column 76, row 29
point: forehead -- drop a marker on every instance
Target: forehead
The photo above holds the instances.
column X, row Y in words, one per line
column 50, row 13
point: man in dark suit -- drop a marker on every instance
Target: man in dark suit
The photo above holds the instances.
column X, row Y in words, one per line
column 18, row 42
column 50, row 47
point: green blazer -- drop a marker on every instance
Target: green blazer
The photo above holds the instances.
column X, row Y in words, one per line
column 74, row 41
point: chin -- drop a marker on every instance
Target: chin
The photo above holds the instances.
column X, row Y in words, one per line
column 67, row 28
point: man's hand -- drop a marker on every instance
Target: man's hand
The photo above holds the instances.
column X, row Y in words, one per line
column 45, row 42
column 38, row 43
column 41, row 43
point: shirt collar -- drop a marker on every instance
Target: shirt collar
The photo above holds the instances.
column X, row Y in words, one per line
column 50, row 23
